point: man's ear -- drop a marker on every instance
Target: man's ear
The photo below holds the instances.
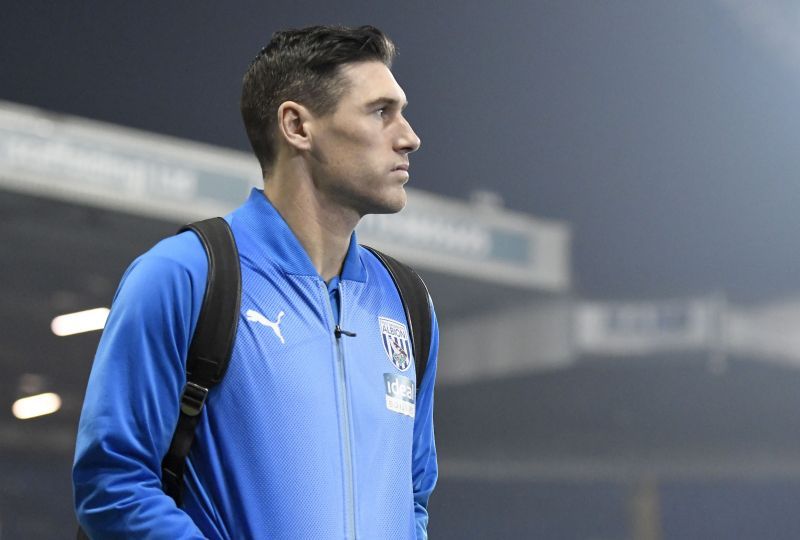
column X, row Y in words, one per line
column 293, row 123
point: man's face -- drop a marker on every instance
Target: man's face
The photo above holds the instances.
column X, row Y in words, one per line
column 359, row 154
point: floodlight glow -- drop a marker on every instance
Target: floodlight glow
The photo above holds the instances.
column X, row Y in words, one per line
column 38, row 405
column 81, row 321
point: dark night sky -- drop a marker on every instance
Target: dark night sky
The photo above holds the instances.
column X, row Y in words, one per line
column 664, row 132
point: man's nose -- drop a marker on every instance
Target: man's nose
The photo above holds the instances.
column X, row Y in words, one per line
column 408, row 141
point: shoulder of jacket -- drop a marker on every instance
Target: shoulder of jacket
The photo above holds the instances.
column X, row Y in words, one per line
column 178, row 260
column 184, row 250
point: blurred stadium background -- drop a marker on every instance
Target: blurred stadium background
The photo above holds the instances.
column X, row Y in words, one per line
column 619, row 324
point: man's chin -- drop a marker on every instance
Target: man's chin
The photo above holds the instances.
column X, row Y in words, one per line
column 388, row 205
column 392, row 208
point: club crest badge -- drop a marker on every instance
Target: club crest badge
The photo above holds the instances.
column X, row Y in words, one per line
column 396, row 342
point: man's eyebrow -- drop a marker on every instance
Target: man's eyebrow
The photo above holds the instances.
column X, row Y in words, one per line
column 387, row 101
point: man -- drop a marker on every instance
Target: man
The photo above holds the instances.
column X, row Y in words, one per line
column 297, row 441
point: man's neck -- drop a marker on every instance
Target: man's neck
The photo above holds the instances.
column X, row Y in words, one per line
column 322, row 227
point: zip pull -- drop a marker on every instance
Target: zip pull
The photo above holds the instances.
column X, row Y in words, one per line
column 338, row 332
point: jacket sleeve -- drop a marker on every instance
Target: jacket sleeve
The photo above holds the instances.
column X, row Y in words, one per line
column 131, row 404
column 425, row 469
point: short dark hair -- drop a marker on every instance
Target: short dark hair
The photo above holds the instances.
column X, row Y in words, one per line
column 303, row 65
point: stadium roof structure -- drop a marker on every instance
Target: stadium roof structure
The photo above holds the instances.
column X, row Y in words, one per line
column 80, row 199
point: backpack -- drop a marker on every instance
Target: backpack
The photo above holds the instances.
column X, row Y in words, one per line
column 212, row 343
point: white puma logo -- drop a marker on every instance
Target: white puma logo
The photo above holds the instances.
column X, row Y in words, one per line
column 255, row 316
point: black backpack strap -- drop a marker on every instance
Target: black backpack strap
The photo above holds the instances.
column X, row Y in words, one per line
column 211, row 346
column 416, row 303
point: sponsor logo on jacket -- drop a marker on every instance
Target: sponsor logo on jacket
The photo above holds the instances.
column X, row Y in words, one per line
column 401, row 394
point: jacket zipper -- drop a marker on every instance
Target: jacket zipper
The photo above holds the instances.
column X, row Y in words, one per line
column 344, row 419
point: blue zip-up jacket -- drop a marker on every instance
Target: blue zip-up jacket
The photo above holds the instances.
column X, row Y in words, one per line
column 307, row 436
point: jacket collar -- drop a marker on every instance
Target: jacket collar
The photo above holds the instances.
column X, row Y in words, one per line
column 264, row 238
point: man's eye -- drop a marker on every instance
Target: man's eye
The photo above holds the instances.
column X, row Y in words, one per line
column 381, row 112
